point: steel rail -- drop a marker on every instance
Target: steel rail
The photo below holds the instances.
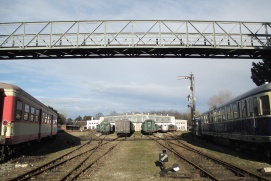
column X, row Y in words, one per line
column 236, row 169
column 91, row 164
column 38, row 170
column 202, row 170
column 51, row 164
column 68, row 174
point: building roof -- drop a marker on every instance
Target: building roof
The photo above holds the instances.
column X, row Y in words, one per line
column 80, row 123
column 139, row 117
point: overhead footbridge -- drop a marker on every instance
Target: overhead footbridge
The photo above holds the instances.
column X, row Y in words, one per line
column 135, row 39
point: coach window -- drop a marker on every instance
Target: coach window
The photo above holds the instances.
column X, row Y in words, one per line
column 223, row 114
column 43, row 117
column 250, row 107
column 26, row 112
column 215, row 116
column 206, row 118
column 47, row 118
column 37, row 115
column 234, row 110
column 55, row 121
column 244, row 109
column 265, row 105
column 32, row 116
column 51, row 120
column 240, row 109
column 229, row 117
column 19, row 110
column 211, row 117
column 220, row 115
column 255, row 106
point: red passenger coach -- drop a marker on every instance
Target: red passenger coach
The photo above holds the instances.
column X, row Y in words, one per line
column 23, row 119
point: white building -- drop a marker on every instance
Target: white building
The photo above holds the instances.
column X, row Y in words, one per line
column 91, row 124
column 138, row 119
column 181, row 124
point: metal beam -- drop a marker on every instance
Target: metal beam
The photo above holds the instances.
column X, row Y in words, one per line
column 135, row 38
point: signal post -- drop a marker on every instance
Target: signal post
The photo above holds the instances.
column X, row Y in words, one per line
column 191, row 97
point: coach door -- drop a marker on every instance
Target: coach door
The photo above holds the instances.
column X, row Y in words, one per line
column 51, row 122
column 40, row 121
column 1, row 107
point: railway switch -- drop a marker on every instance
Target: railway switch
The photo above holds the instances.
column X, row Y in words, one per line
column 163, row 157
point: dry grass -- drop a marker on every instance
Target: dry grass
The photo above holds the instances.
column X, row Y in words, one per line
column 132, row 161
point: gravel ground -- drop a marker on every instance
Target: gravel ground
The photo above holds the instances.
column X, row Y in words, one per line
column 130, row 160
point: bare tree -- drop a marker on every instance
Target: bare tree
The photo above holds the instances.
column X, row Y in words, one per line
column 98, row 115
column 61, row 118
column 221, row 98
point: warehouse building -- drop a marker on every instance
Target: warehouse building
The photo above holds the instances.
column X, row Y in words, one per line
column 138, row 119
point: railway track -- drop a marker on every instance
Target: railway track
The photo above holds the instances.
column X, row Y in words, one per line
column 207, row 165
column 131, row 139
column 71, row 165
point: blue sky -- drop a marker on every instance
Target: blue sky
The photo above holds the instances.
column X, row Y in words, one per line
column 89, row 86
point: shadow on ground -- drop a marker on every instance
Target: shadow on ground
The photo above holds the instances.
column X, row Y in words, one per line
column 38, row 150
column 200, row 142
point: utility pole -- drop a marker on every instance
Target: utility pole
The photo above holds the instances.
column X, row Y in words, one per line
column 191, row 97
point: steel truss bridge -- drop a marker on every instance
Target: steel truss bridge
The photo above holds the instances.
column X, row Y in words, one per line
column 135, row 38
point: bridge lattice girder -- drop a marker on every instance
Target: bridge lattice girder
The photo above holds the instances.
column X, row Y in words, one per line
column 134, row 38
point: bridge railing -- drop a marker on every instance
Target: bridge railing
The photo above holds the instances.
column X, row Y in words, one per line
column 149, row 34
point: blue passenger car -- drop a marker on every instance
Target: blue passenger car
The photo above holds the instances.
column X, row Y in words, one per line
column 244, row 122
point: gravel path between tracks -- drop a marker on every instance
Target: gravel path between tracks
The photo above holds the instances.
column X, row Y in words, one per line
column 130, row 160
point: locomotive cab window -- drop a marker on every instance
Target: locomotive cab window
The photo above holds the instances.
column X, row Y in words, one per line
column 26, row 112
column 265, row 105
column 19, row 110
